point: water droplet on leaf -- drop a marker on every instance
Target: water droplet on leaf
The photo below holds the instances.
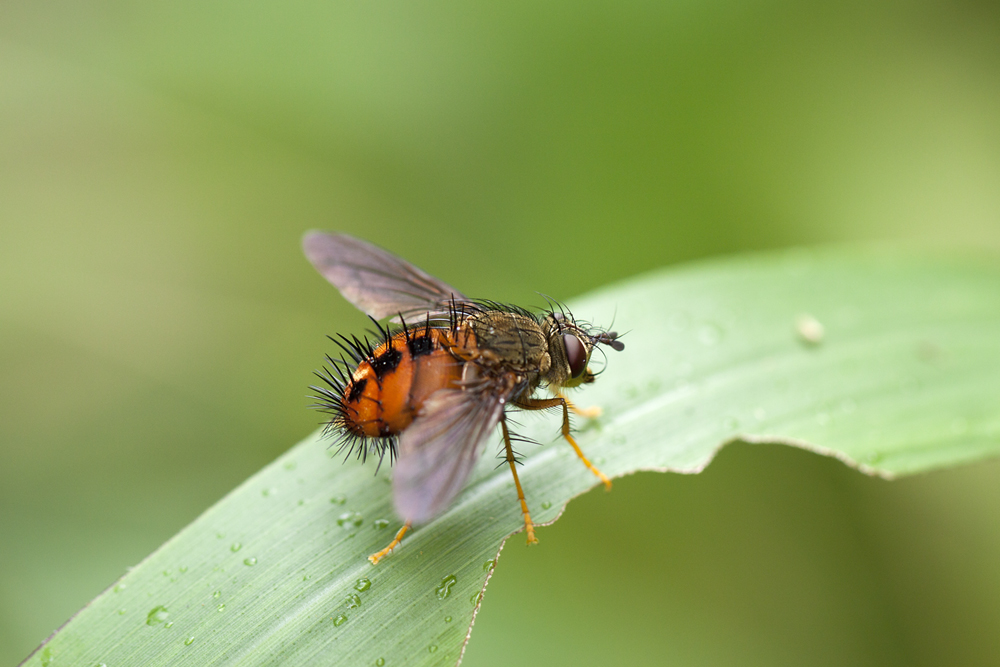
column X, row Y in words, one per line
column 444, row 590
column 350, row 520
column 157, row 614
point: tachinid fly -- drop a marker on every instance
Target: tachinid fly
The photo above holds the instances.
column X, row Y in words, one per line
column 431, row 391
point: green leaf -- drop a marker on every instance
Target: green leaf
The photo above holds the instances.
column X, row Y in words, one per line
column 888, row 361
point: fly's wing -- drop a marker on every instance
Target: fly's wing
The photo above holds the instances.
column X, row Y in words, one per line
column 376, row 281
column 438, row 450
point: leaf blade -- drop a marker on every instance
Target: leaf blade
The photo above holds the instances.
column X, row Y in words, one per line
column 901, row 381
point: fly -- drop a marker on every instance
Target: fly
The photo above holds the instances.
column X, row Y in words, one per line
column 431, row 390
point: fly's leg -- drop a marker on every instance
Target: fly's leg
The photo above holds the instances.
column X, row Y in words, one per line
column 375, row 558
column 592, row 412
column 529, row 527
column 545, row 403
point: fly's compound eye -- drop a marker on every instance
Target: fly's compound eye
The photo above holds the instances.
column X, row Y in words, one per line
column 576, row 355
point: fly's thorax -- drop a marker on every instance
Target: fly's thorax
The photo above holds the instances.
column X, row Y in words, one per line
column 509, row 340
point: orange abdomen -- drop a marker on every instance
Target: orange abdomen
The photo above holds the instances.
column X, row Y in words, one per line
column 389, row 387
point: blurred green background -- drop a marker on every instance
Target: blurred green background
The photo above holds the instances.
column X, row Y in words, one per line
column 158, row 324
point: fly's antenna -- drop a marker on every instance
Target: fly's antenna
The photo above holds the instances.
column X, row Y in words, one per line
column 609, row 338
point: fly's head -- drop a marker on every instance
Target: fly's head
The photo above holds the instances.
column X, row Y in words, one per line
column 570, row 346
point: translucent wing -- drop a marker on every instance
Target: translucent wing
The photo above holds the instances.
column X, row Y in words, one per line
column 438, row 450
column 375, row 280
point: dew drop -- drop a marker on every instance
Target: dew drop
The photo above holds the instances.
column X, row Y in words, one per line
column 157, row 614
column 338, row 500
column 182, row 569
column 166, row 573
column 380, row 523
column 301, row 503
column 217, row 594
column 730, row 423
column 250, row 562
column 380, row 662
column 362, row 585
column 189, row 640
column 432, row 648
column 353, row 601
column 168, row 624
column 546, row 505
column 444, row 590
column 121, row 612
column 119, row 587
column 273, row 491
column 340, row 620
column 447, row 619
column 488, row 565
column 221, row 607
column 235, row 546
column 809, row 329
column 474, row 599
column 305, row 577
column 290, row 465
column 350, row 520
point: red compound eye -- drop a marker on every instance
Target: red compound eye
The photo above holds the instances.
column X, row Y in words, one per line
column 576, row 355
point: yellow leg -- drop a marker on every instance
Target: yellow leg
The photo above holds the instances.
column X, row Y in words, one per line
column 529, row 527
column 592, row 412
column 375, row 558
column 544, row 403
